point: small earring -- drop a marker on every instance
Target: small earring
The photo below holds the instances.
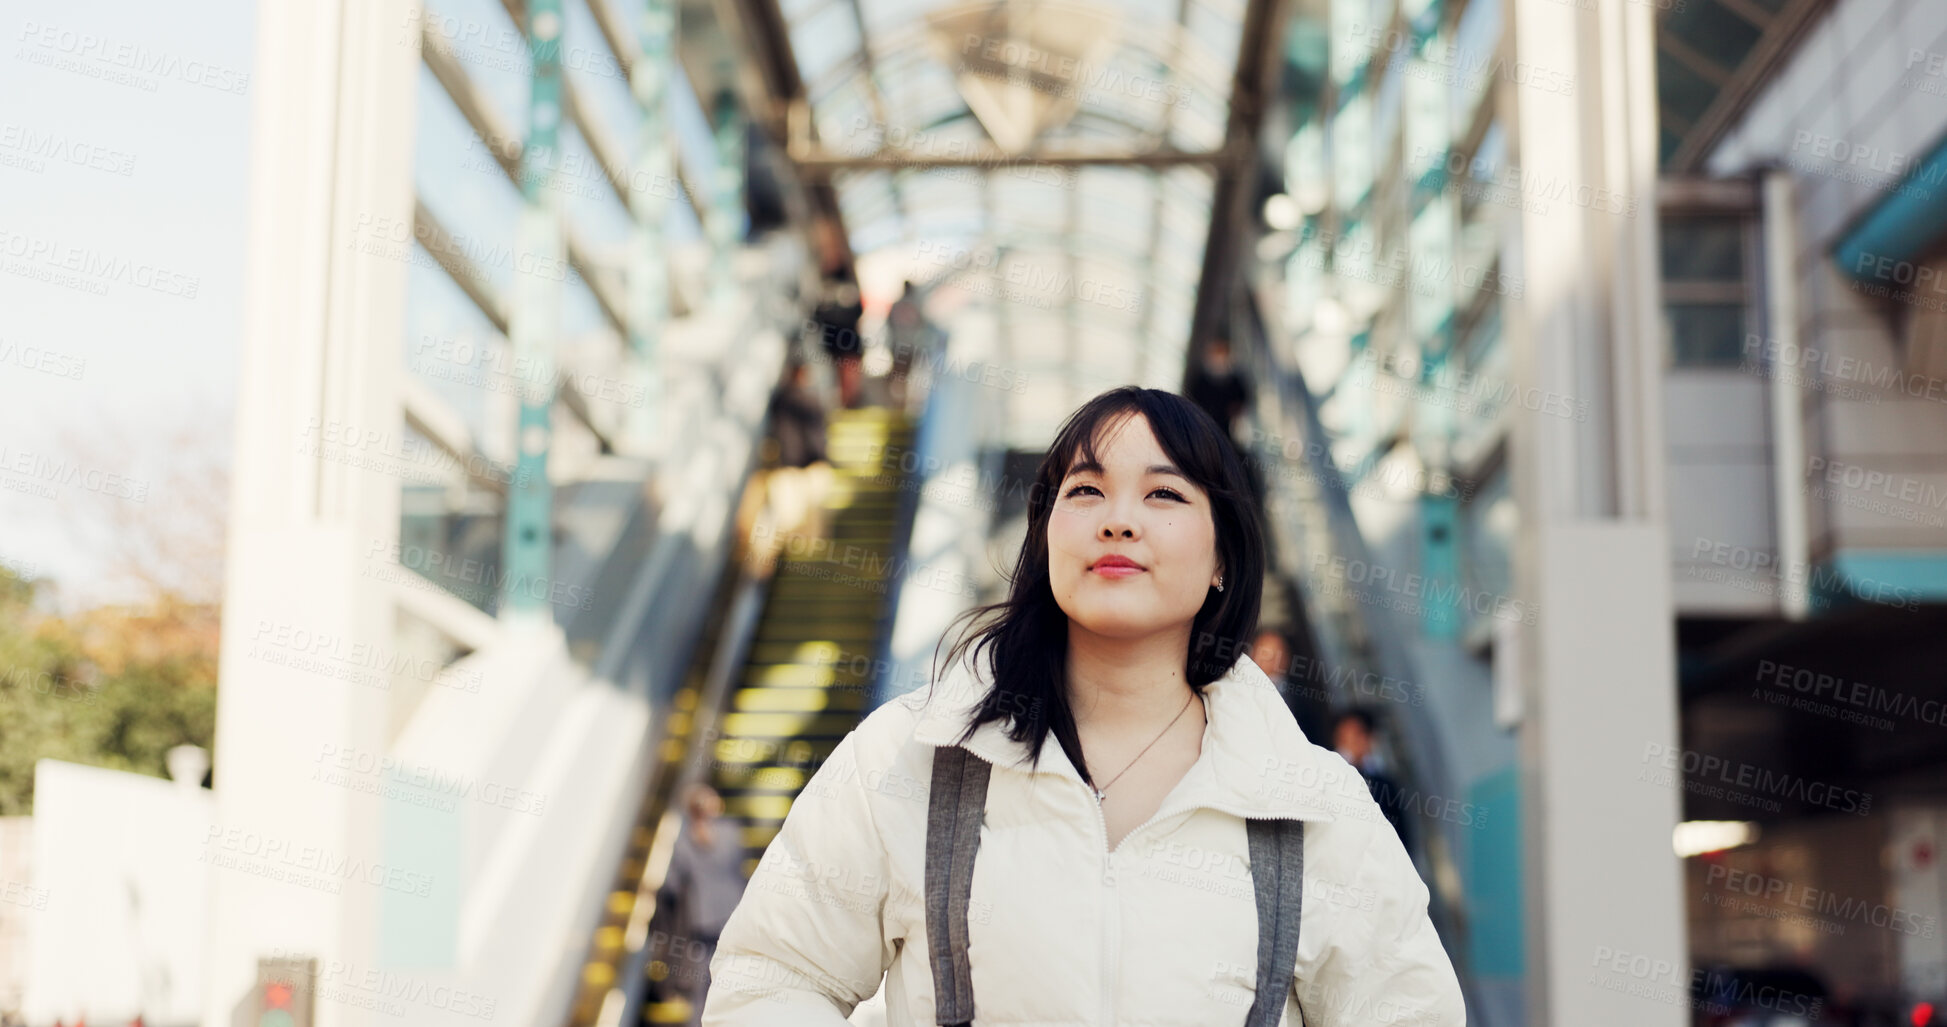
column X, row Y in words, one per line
column 1220, row 583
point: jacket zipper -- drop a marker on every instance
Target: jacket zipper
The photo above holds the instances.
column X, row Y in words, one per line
column 1111, row 915
column 1111, row 919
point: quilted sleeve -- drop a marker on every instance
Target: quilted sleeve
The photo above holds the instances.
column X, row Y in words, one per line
column 1386, row 965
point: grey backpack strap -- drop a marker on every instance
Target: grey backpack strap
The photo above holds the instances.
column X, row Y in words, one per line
column 953, row 812
column 1278, row 875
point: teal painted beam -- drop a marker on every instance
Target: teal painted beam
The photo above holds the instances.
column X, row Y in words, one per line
column 1901, row 578
column 536, row 325
column 1496, row 923
column 1903, row 226
column 655, row 159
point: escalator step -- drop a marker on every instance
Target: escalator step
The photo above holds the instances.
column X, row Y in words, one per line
column 766, row 779
column 771, row 751
column 758, row 807
column 823, row 674
column 673, row 1011
column 798, row 700
column 788, row 725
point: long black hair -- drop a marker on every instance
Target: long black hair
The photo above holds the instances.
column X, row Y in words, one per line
column 1026, row 641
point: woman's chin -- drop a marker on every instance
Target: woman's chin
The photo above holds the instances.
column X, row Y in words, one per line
column 1116, row 624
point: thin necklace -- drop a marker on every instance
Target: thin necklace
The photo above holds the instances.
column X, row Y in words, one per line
column 1159, row 737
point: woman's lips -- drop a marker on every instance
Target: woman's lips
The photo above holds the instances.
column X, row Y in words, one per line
column 1116, row 570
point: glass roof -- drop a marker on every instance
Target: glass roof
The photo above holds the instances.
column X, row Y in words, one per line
column 1085, row 277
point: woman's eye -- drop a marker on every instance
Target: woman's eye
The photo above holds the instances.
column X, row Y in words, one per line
column 1172, row 493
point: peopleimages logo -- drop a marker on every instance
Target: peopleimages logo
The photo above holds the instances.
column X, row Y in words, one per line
column 1699, row 769
column 1856, row 694
column 1822, row 901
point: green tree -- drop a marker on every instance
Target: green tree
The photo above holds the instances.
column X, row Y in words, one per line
column 113, row 687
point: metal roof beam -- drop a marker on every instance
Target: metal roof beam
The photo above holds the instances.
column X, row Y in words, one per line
column 813, row 158
column 1257, row 46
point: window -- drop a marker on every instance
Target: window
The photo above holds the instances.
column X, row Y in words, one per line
column 1707, row 298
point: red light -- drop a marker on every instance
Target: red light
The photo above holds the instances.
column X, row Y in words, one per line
column 1923, row 1014
column 277, row 996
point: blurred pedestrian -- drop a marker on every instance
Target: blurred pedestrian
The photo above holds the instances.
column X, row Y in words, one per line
column 798, row 420
column 836, row 318
column 704, row 883
column 1221, row 391
column 910, row 337
column 1218, row 389
column 1353, row 737
column 1273, row 657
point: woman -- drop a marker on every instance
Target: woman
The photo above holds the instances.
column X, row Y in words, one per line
column 1113, row 881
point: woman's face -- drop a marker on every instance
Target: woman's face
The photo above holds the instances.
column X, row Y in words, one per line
column 1136, row 506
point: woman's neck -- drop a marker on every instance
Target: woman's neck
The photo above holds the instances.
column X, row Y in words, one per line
column 1116, row 684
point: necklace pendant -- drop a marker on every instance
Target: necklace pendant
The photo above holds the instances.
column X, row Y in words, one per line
column 1098, row 796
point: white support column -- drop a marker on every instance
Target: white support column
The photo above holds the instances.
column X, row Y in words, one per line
column 317, row 405
column 1604, row 900
column 1785, row 393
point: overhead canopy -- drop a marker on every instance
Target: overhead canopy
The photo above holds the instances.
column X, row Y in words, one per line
column 1711, row 58
column 1056, row 162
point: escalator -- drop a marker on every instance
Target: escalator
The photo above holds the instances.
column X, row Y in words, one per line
column 808, row 674
column 785, row 671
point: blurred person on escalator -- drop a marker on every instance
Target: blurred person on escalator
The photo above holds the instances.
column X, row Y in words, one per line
column 1353, row 736
column 704, row 884
column 798, row 420
column 1225, row 394
column 1273, row 657
column 792, row 493
column 910, row 337
column 837, row 320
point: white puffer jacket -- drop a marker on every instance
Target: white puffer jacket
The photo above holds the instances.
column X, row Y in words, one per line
column 1062, row 931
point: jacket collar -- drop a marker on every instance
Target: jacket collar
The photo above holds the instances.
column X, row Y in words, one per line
column 1255, row 763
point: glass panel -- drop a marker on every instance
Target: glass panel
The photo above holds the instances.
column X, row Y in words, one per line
column 1352, row 43
column 483, row 40
column 1427, row 135
column 680, row 224
column 600, row 83
column 823, row 39
column 451, row 347
column 1471, row 61
column 1705, row 334
column 1481, row 378
column 1385, row 110
column 1432, row 272
column 1352, row 152
column 696, row 143
column 458, row 179
column 1703, row 249
column 450, row 528
column 581, row 314
column 590, row 200
column 885, row 15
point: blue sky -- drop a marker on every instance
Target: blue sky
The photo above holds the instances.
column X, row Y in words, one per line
column 123, row 175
